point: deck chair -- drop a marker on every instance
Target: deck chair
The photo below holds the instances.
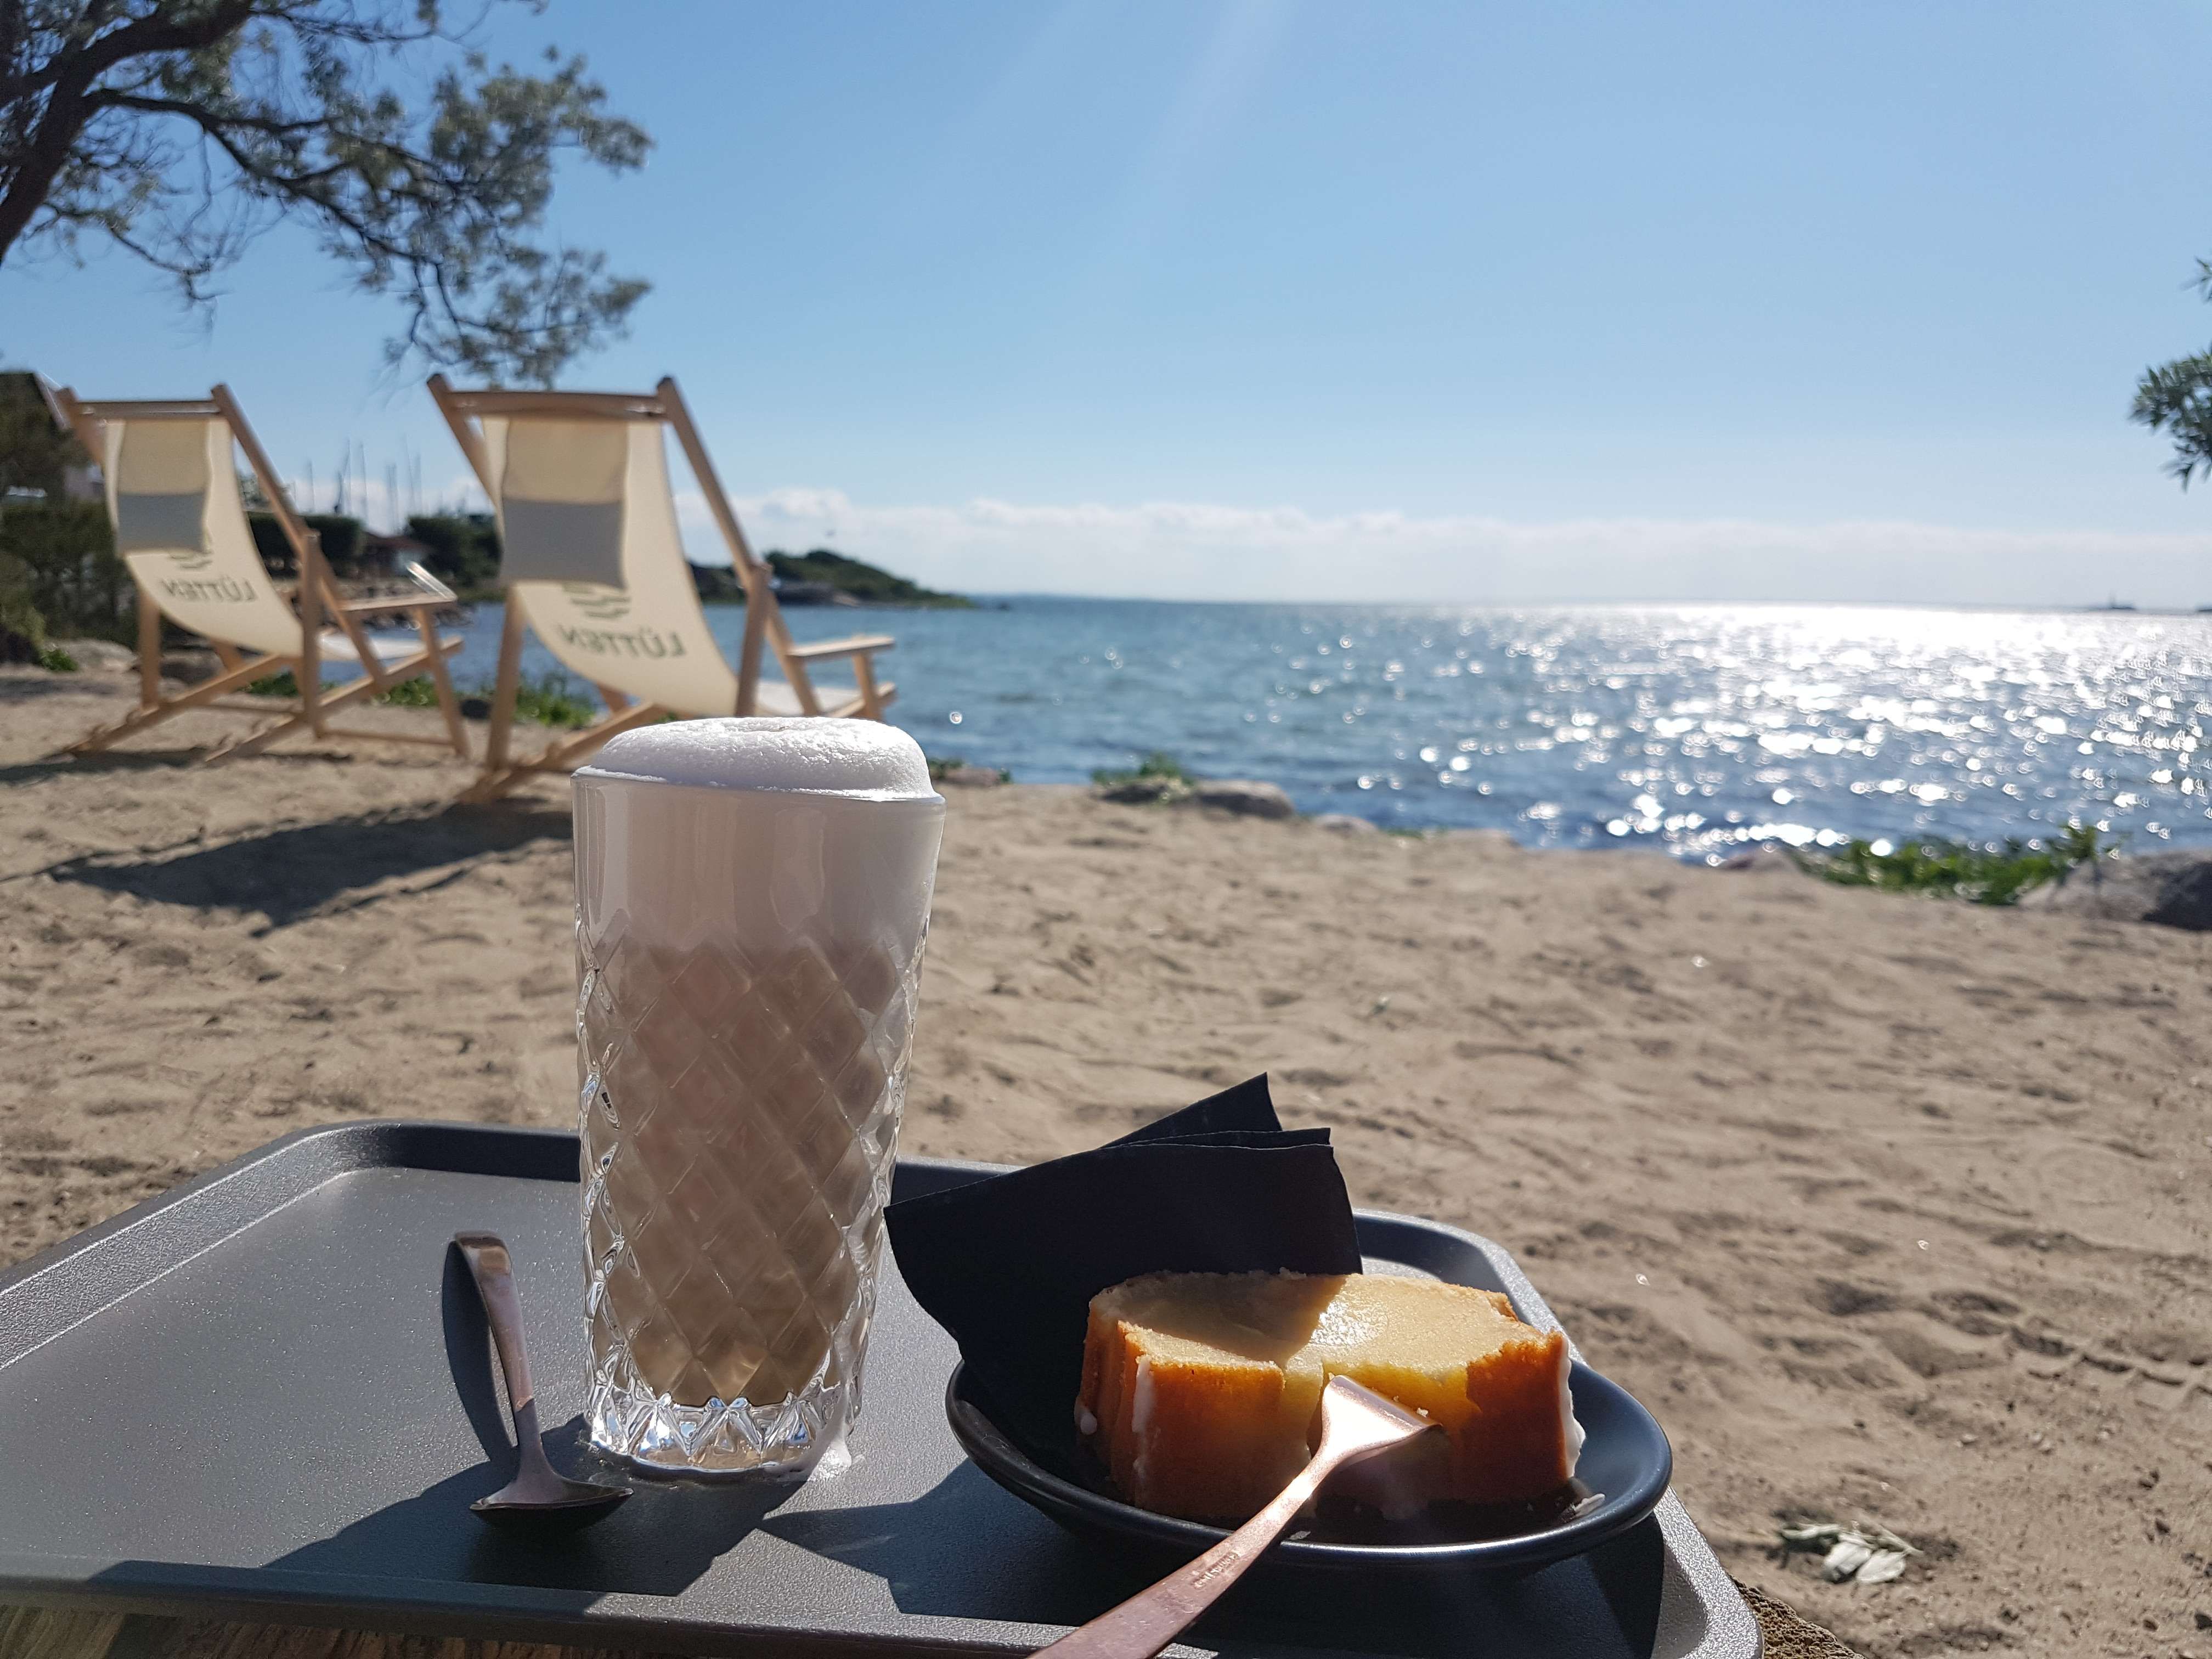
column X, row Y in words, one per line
column 172, row 496
column 593, row 565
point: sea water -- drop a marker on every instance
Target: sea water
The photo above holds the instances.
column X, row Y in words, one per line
column 1696, row 729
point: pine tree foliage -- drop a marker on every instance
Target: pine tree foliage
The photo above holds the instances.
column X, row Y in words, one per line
column 181, row 130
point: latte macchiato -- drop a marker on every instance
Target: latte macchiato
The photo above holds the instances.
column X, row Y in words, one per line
column 752, row 900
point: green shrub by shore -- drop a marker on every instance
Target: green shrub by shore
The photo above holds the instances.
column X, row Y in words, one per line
column 1957, row 869
column 1165, row 767
column 550, row 699
column 943, row 766
column 57, row 564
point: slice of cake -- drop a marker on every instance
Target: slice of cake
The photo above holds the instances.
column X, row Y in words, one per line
column 1201, row 1392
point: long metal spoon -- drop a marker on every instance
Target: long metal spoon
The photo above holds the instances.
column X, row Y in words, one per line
column 1355, row 1422
column 539, row 1498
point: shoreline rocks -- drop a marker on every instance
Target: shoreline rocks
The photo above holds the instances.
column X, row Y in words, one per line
column 1143, row 791
column 190, row 664
column 2170, row 890
column 1245, row 798
column 1762, row 861
column 100, row 656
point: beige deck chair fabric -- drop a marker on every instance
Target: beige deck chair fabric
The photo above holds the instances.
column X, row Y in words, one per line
column 592, row 554
column 186, row 543
column 180, row 528
column 594, row 563
column 190, row 546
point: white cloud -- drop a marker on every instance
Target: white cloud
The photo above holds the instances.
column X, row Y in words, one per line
column 1209, row 550
column 1195, row 549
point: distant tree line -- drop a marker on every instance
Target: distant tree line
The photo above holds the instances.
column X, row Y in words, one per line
column 820, row 576
column 868, row 583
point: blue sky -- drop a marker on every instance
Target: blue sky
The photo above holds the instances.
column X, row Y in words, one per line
column 1285, row 297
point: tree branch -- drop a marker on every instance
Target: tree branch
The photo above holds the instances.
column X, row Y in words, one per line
column 141, row 37
column 206, row 119
column 437, row 199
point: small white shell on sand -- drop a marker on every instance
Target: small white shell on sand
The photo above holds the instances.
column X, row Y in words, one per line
column 1870, row 1554
column 1882, row 1566
column 1851, row 1553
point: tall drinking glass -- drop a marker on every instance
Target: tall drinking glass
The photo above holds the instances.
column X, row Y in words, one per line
column 752, row 901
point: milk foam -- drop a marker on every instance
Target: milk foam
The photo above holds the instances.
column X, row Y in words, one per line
column 860, row 758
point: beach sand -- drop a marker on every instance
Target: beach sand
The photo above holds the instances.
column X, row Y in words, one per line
column 1888, row 1208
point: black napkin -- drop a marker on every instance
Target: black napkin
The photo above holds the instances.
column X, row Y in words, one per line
column 1009, row 1264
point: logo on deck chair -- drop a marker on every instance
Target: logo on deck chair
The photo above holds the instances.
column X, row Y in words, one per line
column 599, row 602
column 190, row 558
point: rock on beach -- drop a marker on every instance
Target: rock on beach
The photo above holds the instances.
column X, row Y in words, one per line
column 2173, row 890
column 1143, row 791
column 1245, row 798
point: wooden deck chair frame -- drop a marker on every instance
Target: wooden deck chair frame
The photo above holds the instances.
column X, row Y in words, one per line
column 764, row 630
column 317, row 598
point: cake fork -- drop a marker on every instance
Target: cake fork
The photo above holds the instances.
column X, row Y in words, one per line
column 1355, row 1422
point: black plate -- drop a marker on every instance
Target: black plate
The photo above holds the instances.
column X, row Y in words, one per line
column 1625, row 1457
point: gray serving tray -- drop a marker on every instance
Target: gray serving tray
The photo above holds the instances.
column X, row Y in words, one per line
column 263, row 1396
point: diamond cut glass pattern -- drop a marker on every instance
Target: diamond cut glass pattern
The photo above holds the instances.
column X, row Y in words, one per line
column 738, row 1110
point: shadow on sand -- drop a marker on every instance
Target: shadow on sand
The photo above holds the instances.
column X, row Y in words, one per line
column 111, row 760
column 24, row 688
column 298, row 871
